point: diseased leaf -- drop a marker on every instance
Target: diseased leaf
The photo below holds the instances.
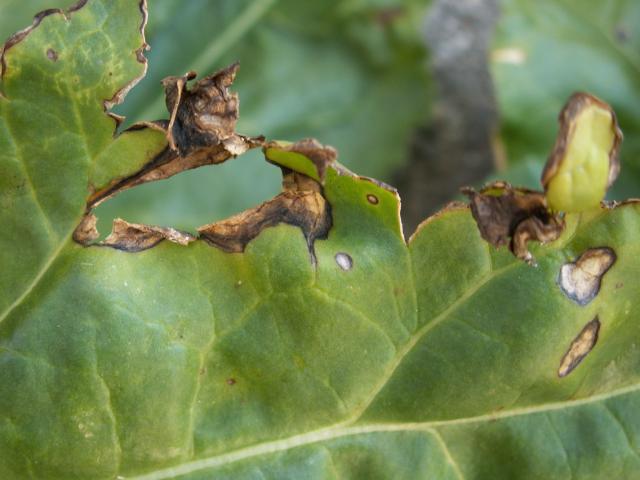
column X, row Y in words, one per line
column 441, row 357
column 200, row 131
column 301, row 203
column 308, row 69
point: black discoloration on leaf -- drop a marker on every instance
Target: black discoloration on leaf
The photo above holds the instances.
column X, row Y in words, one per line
column 513, row 216
column 133, row 237
column 581, row 280
column 579, row 348
column 86, row 232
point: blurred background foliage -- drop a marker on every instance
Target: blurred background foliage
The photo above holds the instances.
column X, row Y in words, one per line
column 362, row 75
column 548, row 49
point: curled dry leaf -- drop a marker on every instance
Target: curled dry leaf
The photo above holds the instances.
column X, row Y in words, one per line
column 200, row 130
column 513, row 216
column 584, row 162
column 133, row 237
column 301, row 204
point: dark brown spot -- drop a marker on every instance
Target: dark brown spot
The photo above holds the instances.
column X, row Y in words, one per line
column 580, row 280
column 344, row 261
column 52, row 55
column 619, row 285
column 372, row 199
column 231, row 381
column 579, row 348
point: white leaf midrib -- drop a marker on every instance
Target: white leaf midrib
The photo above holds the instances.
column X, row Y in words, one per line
column 342, row 430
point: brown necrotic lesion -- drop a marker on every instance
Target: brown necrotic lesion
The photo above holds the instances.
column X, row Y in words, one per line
column 135, row 237
column 201, row 131
column 511, row 216
column 301, row 204
column 580, row 347
column 580, row 280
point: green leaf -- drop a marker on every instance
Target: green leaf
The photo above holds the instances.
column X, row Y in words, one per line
column 546, row 51
column 56, row 143
column 434, row 358
column 307, row 70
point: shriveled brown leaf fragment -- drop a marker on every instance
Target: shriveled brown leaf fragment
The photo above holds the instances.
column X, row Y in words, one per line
column 86, row 232
column 200, row 131
column 203, row 115
column 513, row 216
column 134, row 237
column 580, row 280
column 300, row 204
column 579, row 348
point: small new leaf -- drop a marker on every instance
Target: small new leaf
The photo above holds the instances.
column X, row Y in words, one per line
column 584, row 162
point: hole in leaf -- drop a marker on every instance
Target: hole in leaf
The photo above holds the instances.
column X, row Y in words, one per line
column 195, row 197
column 344, row 261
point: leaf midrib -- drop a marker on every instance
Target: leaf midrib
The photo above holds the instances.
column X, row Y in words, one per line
column 341, row 430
